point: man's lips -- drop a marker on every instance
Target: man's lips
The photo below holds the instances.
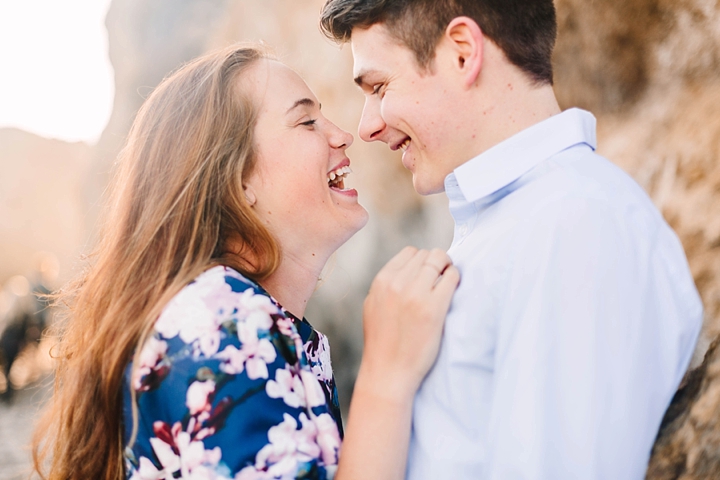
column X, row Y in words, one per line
column 402, row 143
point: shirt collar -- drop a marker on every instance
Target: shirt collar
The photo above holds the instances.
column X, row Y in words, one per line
column 509, row 160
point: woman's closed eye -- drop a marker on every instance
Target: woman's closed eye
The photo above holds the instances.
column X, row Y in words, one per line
column 309, row 123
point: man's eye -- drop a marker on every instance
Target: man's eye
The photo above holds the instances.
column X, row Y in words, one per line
column 309, row 123
column 376, row 89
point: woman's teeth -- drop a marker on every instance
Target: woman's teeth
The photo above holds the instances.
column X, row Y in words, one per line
column 336, row 177
column 404, row 145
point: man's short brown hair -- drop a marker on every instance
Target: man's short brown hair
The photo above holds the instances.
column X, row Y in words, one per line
column 524, row 29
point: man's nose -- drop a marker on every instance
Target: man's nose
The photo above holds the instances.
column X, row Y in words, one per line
column 371, row 122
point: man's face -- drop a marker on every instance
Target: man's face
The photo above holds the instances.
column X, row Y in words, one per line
column 407, row 108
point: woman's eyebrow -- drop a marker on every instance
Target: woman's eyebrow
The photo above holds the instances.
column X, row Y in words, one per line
column 307, row 102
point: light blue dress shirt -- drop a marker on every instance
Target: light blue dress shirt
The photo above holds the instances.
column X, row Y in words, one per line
column 574, row 322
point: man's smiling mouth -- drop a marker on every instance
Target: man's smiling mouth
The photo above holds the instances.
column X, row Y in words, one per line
column 403, row 145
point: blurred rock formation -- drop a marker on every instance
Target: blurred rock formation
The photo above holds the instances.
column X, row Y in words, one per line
column 41, row 208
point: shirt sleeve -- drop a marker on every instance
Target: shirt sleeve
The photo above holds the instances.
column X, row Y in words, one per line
column 235, row 400
column 600, row 319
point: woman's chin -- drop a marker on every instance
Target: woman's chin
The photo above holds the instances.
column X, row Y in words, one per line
column 359, row 219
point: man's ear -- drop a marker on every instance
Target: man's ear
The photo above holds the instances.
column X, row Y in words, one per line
column 466, row 41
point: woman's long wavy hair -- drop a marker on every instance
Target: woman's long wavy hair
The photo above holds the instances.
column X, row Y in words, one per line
column 176, row 208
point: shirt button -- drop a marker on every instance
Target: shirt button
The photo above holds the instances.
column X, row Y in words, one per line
column 464, row 230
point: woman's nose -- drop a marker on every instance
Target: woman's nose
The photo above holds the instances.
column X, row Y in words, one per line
column 371, row 122
column 339, row 138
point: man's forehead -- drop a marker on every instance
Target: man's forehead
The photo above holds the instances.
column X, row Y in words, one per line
column 371, row 47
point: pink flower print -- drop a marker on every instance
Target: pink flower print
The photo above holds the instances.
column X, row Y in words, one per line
column 285, row 326
column 253, row 355
column 297, row 389
column 287, row 386
column 148, row 471
column 150, row 355
column 198, row 397
column 328, row 438
column 289, row 448
column 314, row 394
column 188, row 316
column 319, row 358
column 256, row 308
column 177, row 451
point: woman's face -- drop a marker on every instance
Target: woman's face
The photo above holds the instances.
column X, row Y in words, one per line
column 297, row 186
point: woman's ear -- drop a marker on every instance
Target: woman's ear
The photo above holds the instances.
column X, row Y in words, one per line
column 249, row 195
column 466, row 41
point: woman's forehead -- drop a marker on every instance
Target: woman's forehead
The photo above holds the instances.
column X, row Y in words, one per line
column 277, row 87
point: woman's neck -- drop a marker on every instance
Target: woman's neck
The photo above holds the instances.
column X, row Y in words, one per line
column 294, row 282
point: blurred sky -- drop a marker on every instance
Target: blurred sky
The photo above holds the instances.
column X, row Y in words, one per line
column 55, row 75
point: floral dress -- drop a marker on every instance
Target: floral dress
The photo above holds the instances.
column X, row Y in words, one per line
column 231, row 386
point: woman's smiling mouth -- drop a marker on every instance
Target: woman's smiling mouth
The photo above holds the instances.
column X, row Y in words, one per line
column 336, row 178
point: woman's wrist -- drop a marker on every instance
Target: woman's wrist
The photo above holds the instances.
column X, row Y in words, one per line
column 388, row 385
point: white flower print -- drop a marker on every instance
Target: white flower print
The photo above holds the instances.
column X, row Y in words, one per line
column 289, row 448
column 185, row 455
column 152, row 352
column 319, row 359
column 328, row 438
column 287, row 386
column 148, row 471
column 189, row 316
column 197, row 396
column 297, row 389
column 314, row 395
column 253, row 356
column 199, row 310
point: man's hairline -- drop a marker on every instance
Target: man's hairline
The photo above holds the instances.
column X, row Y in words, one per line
column 428, row 69
column 421, row 69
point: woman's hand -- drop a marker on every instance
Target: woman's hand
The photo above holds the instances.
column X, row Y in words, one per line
column 404, row 314
column 403, row 319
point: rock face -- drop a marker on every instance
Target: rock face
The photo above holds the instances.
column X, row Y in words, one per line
column 689, row 440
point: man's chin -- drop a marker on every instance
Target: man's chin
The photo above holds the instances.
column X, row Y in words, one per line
column 425, row 186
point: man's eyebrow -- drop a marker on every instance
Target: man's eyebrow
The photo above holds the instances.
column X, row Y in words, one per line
column 306, row 102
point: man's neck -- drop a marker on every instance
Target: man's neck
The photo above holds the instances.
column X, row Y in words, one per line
column 504, row 102
column 513, row 114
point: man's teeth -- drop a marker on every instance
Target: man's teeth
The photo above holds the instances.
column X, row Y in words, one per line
column 404, row 144
column 338, row 174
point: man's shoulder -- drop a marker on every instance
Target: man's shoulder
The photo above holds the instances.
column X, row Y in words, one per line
column 580, row 180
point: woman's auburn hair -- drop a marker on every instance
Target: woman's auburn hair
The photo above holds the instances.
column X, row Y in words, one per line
column 176, row 208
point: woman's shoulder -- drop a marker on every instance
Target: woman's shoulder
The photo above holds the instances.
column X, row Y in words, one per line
column 217, row 299
column 219, row 316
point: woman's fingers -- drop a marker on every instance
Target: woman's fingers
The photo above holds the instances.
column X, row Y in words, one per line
column 446, row 286
column 404, row 314
column 432, row 268
column 399, row 260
